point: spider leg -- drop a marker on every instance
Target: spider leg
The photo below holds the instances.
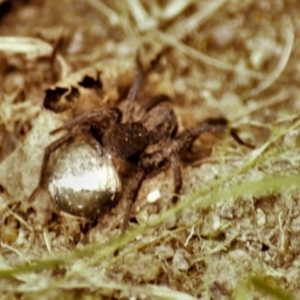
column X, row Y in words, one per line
column 139, row 178
column 175, row 165
column 137, row 81
column 155, row 100
column 232, row 131
column 188, row 136
column 47, row 152
column 112, row 114
column 236, row 137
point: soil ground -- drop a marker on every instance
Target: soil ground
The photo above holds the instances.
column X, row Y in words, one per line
column 234, row 233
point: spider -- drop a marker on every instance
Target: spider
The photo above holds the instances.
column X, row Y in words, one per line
column 149, row 142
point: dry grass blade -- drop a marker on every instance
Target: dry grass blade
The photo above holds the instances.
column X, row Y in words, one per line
column 187, row 25
column 32, row 48
column 274, row 75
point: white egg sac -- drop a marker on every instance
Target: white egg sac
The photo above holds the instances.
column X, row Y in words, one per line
column 84, row 181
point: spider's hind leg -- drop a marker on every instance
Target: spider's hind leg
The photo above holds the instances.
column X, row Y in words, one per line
column 47, row 152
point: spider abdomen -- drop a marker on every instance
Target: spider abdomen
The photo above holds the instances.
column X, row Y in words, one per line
column 126, row 140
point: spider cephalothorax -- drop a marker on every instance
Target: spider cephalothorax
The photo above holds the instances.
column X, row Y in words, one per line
column 150, row 141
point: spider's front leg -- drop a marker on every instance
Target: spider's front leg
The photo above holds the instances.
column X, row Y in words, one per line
column 149, row 162
column 188, row 136
column 139, row 178
column 186, row 139
column 175, row 165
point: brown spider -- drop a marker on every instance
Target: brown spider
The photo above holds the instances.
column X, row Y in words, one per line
column 150, row 142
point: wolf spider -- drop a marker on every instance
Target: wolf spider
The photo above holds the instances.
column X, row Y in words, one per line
column 149, row 142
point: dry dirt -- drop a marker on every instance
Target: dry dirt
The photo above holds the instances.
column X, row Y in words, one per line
column 234, row 234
